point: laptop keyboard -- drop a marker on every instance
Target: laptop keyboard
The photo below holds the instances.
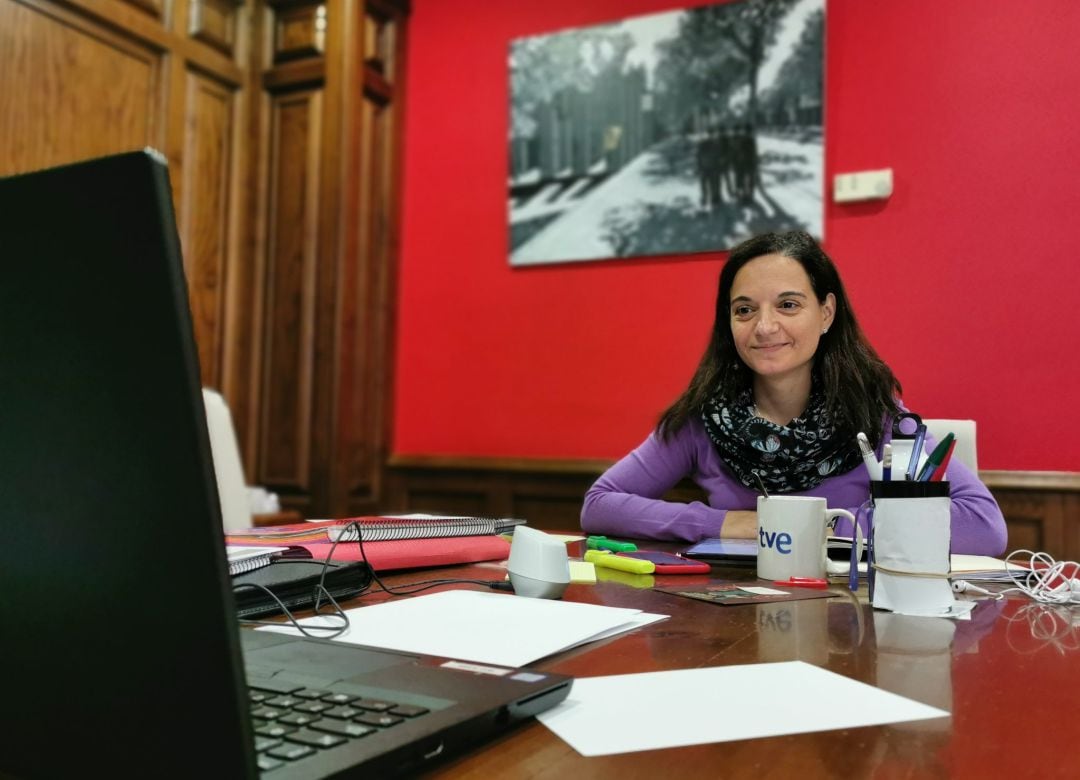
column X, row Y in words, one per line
column 292, row 723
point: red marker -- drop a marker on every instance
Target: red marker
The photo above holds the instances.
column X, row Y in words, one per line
column 804, row 582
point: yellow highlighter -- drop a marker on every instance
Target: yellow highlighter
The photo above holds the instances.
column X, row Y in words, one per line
column 612, row 561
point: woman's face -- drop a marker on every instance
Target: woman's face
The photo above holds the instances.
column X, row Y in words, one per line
column 776, row 320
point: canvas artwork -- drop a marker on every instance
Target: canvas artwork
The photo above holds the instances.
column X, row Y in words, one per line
column 683, row 131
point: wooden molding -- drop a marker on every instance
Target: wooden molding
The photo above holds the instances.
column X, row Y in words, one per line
column 300, row 31
column 214, row 22
column 1068, row 481
column 575, row 466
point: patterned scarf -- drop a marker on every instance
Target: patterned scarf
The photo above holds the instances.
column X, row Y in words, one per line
column 791, row 458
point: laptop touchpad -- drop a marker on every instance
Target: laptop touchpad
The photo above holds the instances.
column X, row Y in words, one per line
column 318, row 659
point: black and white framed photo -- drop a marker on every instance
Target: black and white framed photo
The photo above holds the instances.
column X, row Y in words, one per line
column 669, row 133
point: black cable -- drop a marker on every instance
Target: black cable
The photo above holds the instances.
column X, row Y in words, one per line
column 425, row 584
column 338, row 613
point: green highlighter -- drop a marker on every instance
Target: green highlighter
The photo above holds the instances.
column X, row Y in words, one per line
column 603, row 543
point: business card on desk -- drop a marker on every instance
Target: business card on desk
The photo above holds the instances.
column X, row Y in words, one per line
column 730, row 594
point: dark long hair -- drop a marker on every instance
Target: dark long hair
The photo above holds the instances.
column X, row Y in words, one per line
column 859, row 387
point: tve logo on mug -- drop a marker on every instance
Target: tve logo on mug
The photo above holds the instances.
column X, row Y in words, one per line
column 775, row 540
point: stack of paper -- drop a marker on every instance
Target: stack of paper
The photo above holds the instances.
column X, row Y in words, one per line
column 982, row 568
column 487, row 628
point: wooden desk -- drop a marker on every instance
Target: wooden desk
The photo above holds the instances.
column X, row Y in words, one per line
column 1009, row 676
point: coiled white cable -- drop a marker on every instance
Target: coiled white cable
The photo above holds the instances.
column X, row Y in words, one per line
column 1045, row 580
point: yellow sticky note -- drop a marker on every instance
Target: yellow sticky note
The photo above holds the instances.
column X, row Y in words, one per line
column 582, row 571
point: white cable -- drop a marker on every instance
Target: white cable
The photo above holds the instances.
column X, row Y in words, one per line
column 1044, row 579
column 963, row 586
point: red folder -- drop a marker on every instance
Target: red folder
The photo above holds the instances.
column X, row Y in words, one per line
column 416, row 553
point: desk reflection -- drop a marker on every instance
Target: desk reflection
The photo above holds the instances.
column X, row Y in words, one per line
column 812, row 631
column 1036, row 628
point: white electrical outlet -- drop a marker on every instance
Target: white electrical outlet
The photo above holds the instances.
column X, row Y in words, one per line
column 863, row 185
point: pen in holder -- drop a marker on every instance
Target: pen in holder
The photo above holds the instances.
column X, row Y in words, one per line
column 904, row 443
column 910, row 533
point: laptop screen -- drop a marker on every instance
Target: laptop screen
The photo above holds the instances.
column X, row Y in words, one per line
column 119, row 631
column 116, row 612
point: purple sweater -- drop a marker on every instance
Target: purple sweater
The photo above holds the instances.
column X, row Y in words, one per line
column 625, row 500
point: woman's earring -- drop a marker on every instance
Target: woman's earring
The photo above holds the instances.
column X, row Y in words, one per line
column 824, row 331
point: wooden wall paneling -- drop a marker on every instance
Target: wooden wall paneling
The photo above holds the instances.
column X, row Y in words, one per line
column 208, row 226
column 320, row 438
column 209, row 129
column 1034, row 520
column 296, row 372
column 557, row 506
column 155, row 8
column 329, row 34
column 300, row 30
column 279, row 121
column 365, row 346
column 243, row 298
column 292, row 255
column 1071, row 512
column 383, row 36
column 345, row 281
column 1037, row 510
column 214, row 22
column 72, row 88
column 85, row 78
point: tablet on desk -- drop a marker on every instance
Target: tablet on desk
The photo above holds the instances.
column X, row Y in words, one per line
column 725, row 552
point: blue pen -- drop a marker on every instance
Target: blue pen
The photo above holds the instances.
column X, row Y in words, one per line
column 853, row 565
column 916, row 451
column 886, row 463
column 870, row 557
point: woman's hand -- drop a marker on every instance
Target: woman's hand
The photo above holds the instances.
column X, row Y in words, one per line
column 739, row 524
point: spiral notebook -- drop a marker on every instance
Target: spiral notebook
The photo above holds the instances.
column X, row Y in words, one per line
column 418, row 526
column 379, row 528
column 244, row 559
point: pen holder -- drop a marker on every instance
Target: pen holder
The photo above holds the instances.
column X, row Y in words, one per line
column 910, row 536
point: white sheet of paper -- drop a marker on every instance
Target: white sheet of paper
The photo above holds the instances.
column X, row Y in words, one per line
column 487, row 628
column 631, row 712
column 635, row 621
column 763, row 591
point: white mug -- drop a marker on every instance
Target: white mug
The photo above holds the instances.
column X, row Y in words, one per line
column 791, row 536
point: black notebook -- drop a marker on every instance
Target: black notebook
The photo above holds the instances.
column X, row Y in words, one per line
column 294, row 583
column 121, row 645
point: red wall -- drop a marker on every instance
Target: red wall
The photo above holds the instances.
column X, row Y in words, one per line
column 966, row 279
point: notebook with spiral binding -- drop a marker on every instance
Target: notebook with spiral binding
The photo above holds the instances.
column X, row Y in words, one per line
column 418, row 526
column 243, row 558
column 376, row 529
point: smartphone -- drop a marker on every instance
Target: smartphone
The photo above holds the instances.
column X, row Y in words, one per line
column 669, row 563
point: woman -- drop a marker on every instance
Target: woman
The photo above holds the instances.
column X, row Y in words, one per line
column 786, row 383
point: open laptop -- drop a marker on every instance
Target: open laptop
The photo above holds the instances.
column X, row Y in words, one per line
column 122, row 653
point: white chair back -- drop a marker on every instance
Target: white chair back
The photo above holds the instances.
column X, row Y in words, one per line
column 964, row 431
column 228, row 468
